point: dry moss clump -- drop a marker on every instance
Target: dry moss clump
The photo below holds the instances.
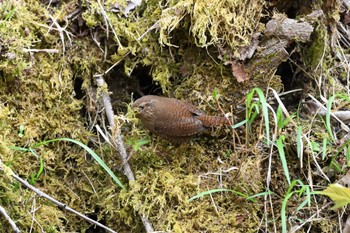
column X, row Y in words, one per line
column 218, row 23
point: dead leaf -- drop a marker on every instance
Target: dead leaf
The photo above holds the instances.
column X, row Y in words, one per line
column 239, row 72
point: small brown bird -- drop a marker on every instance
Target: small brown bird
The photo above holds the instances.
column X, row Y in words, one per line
column 173, row 119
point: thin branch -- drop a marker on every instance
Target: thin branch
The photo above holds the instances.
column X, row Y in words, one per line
column 154, row 26
column 8, row 218
column 109, row 69
column 119, row 143
column 61, row 31
column 41, row 50
column 108, row 23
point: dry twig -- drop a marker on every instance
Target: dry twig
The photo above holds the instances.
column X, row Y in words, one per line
column 119, row 143
column 8, row 218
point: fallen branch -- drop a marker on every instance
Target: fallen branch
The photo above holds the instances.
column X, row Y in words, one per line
column 8, row 218
column 119, row 142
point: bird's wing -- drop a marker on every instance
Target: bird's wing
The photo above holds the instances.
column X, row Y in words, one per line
column 181, row 127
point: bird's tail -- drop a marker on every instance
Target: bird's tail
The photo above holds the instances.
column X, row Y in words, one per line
column 209, row 121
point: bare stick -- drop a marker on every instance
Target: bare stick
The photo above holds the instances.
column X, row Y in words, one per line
column 108, row 23
column 8, row 218
column 41, row 50
column 119, row 143
column 118, row 140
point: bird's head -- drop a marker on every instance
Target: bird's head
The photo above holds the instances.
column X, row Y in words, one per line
column 144, row 107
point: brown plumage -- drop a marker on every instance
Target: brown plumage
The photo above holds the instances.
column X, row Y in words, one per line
column 173, row 119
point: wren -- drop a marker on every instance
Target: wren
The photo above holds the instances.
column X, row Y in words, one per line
column 173, row 119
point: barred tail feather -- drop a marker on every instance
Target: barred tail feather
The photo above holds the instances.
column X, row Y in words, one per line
column 209, row 121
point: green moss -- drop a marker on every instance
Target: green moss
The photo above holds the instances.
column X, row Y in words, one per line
column 91, row 20
column 164, row 193
column 314, row 53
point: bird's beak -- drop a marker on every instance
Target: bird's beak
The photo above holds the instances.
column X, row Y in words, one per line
column 135, row 109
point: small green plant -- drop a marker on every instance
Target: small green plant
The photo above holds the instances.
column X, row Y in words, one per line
column 281, row 121
column 253, row 110
column 302, row 191
column 328, row 118
column 34, row 177
column 328, row 113
column 300, row 146
column 324, row 148
column 336, row 166
column 315, row 147
column 280, row 147
column 136, row 144
column 215, row 94
column 334, row 162
column 21, row 131
column 7, row 12
column 347, row 156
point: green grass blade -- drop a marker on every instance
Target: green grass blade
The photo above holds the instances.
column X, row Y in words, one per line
column 265, row 112
column 239, row 124
column 324, row 148
column 283, row 212
column 250, row 115
column 300, row 143
column 91, row 152
column 328, row 117
column 280, row 147
column 251, row 198
column 41, row 168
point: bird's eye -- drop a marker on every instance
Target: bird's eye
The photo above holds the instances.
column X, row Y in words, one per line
column 141, row 107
